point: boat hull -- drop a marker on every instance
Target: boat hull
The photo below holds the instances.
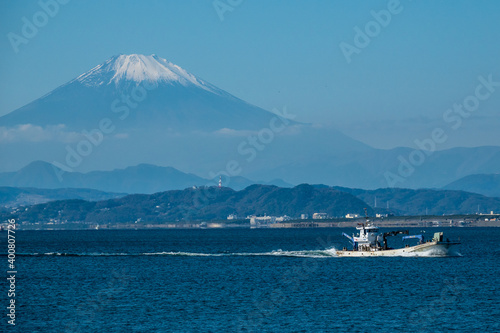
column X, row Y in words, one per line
column 431, row 248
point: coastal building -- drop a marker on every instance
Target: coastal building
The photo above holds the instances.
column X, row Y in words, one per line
column 320, row 216
column 283, row 218
column 254, row 220
column 352, row 216
column 265, row 220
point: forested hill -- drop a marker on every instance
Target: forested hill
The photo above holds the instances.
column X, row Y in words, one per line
column 206, row 203
column 213, row 203
column 401, row 201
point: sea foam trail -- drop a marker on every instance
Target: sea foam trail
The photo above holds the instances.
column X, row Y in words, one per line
column 433, row 253
column 278, row 253
column 327, row 253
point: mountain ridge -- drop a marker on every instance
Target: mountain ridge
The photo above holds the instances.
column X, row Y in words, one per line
column 485, row 184
column 143, row 178
column 213, row 203
column 12, row 197
column 199, row 204
column 403, row 201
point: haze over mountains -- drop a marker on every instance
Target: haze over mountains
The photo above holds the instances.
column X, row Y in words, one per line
column 143, row 178
column 488, row 185
column 11, row 197
column 136, row 109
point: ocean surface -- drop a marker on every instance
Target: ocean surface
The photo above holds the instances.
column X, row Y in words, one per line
column 242, row 280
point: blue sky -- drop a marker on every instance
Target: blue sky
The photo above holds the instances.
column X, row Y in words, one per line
column 282, row 53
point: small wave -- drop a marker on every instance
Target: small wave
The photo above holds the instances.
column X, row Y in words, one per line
column 433, row 253
column 305, row 254
column 64, row 254
column 278, row 253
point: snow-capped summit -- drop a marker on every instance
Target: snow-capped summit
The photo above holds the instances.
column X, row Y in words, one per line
column 139, row 68
column 174, row 99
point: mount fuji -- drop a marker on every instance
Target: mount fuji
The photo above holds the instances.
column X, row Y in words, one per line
column 163, row 95
column 136, row 109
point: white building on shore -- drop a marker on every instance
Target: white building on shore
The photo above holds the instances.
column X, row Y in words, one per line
column 264, row 220
column 320, row 216
column 254, row 220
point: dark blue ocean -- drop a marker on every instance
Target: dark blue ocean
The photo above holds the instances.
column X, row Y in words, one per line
column 242, row 280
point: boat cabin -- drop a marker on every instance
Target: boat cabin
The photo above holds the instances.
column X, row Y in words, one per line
column 367, row 236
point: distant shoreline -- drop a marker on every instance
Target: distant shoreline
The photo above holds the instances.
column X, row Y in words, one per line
column 393, row 222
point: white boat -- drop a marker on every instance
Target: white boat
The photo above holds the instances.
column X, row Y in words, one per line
column 369, row 243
